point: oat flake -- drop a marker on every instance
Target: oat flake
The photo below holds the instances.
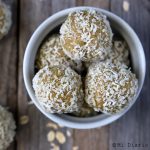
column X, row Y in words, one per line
column 60, row 137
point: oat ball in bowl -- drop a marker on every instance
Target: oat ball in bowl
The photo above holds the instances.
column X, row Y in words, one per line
column 110, row 88
column 51, row 54
column 58, row 89
column 85, row 111
column 46, row 28
column 119, row 53
column 86, row 35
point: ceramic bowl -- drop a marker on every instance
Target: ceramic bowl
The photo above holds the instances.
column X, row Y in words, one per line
column 137, row 59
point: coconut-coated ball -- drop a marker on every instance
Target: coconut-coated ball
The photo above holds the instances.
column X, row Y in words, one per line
column 5, row 19
column 51, row 54
column 58, row 89
column 7, row 128
column 119, row 52
column 109, row 87
column 85, row 111
column 86, row 35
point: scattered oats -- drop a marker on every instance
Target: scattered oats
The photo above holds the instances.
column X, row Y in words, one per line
column 24, row 120
column 54, row 147
column 51, row 136
column 60, row 137
column 68, row 133
column 52, row 125
column 126, row 6
column 75, row 148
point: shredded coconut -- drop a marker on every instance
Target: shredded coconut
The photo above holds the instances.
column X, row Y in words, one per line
column 86, row 35
column 85, row 111
column 110, row 87
column 58, row 89
column 119, row 53
column 7, row 128
column 5, row 19
column 51, row 54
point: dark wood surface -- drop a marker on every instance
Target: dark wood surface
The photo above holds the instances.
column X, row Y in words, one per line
column 133, row 127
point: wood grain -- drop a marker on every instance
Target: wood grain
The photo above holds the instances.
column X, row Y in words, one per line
column 29, row 134
column 134, row 127
column 8, row 65
column 93, row 139
column 33, row 135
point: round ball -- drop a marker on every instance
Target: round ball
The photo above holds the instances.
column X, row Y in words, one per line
column 51, row 54
column 86, row 35
column 110, row 88
column 7, row 128
column 5, row 19
column 58, row 89
column 119, row 53
column 85, row 111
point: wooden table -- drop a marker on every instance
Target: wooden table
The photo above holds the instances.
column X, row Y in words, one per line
column 134, row 127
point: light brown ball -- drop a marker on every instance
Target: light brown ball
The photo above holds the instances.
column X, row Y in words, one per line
column 85, row 111
column 7, row 128
column 110, row 88
column 5, row 19
column 86, row 35
column 51, row 54
column 58, row 89
column 119, row 53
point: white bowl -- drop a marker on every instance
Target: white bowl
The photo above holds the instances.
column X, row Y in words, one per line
column 137, row 57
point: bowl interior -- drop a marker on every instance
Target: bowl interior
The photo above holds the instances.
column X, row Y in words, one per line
column 137, row 58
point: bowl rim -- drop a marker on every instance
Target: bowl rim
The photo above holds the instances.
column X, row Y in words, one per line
column 76, row 122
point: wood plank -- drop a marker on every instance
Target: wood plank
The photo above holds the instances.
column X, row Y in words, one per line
column 58, row 5
column 104, row 4
column 33, row 135
column 28, row 135
column 93, row 139
column 8, row 61
column 134, row 126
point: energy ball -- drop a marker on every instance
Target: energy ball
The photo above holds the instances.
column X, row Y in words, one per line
column 51, row 54
column 85, row 111
column 5, row 19
column 119, row 53
column 86, row 35
column 109, row 87
column 58, row 89
column 7, row 128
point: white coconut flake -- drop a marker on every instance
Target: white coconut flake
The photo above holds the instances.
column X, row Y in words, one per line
column 58, row 89
column 7, row 128
column 51, row 53
column 5, row 19
column 109, row 87
column 90, row 31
